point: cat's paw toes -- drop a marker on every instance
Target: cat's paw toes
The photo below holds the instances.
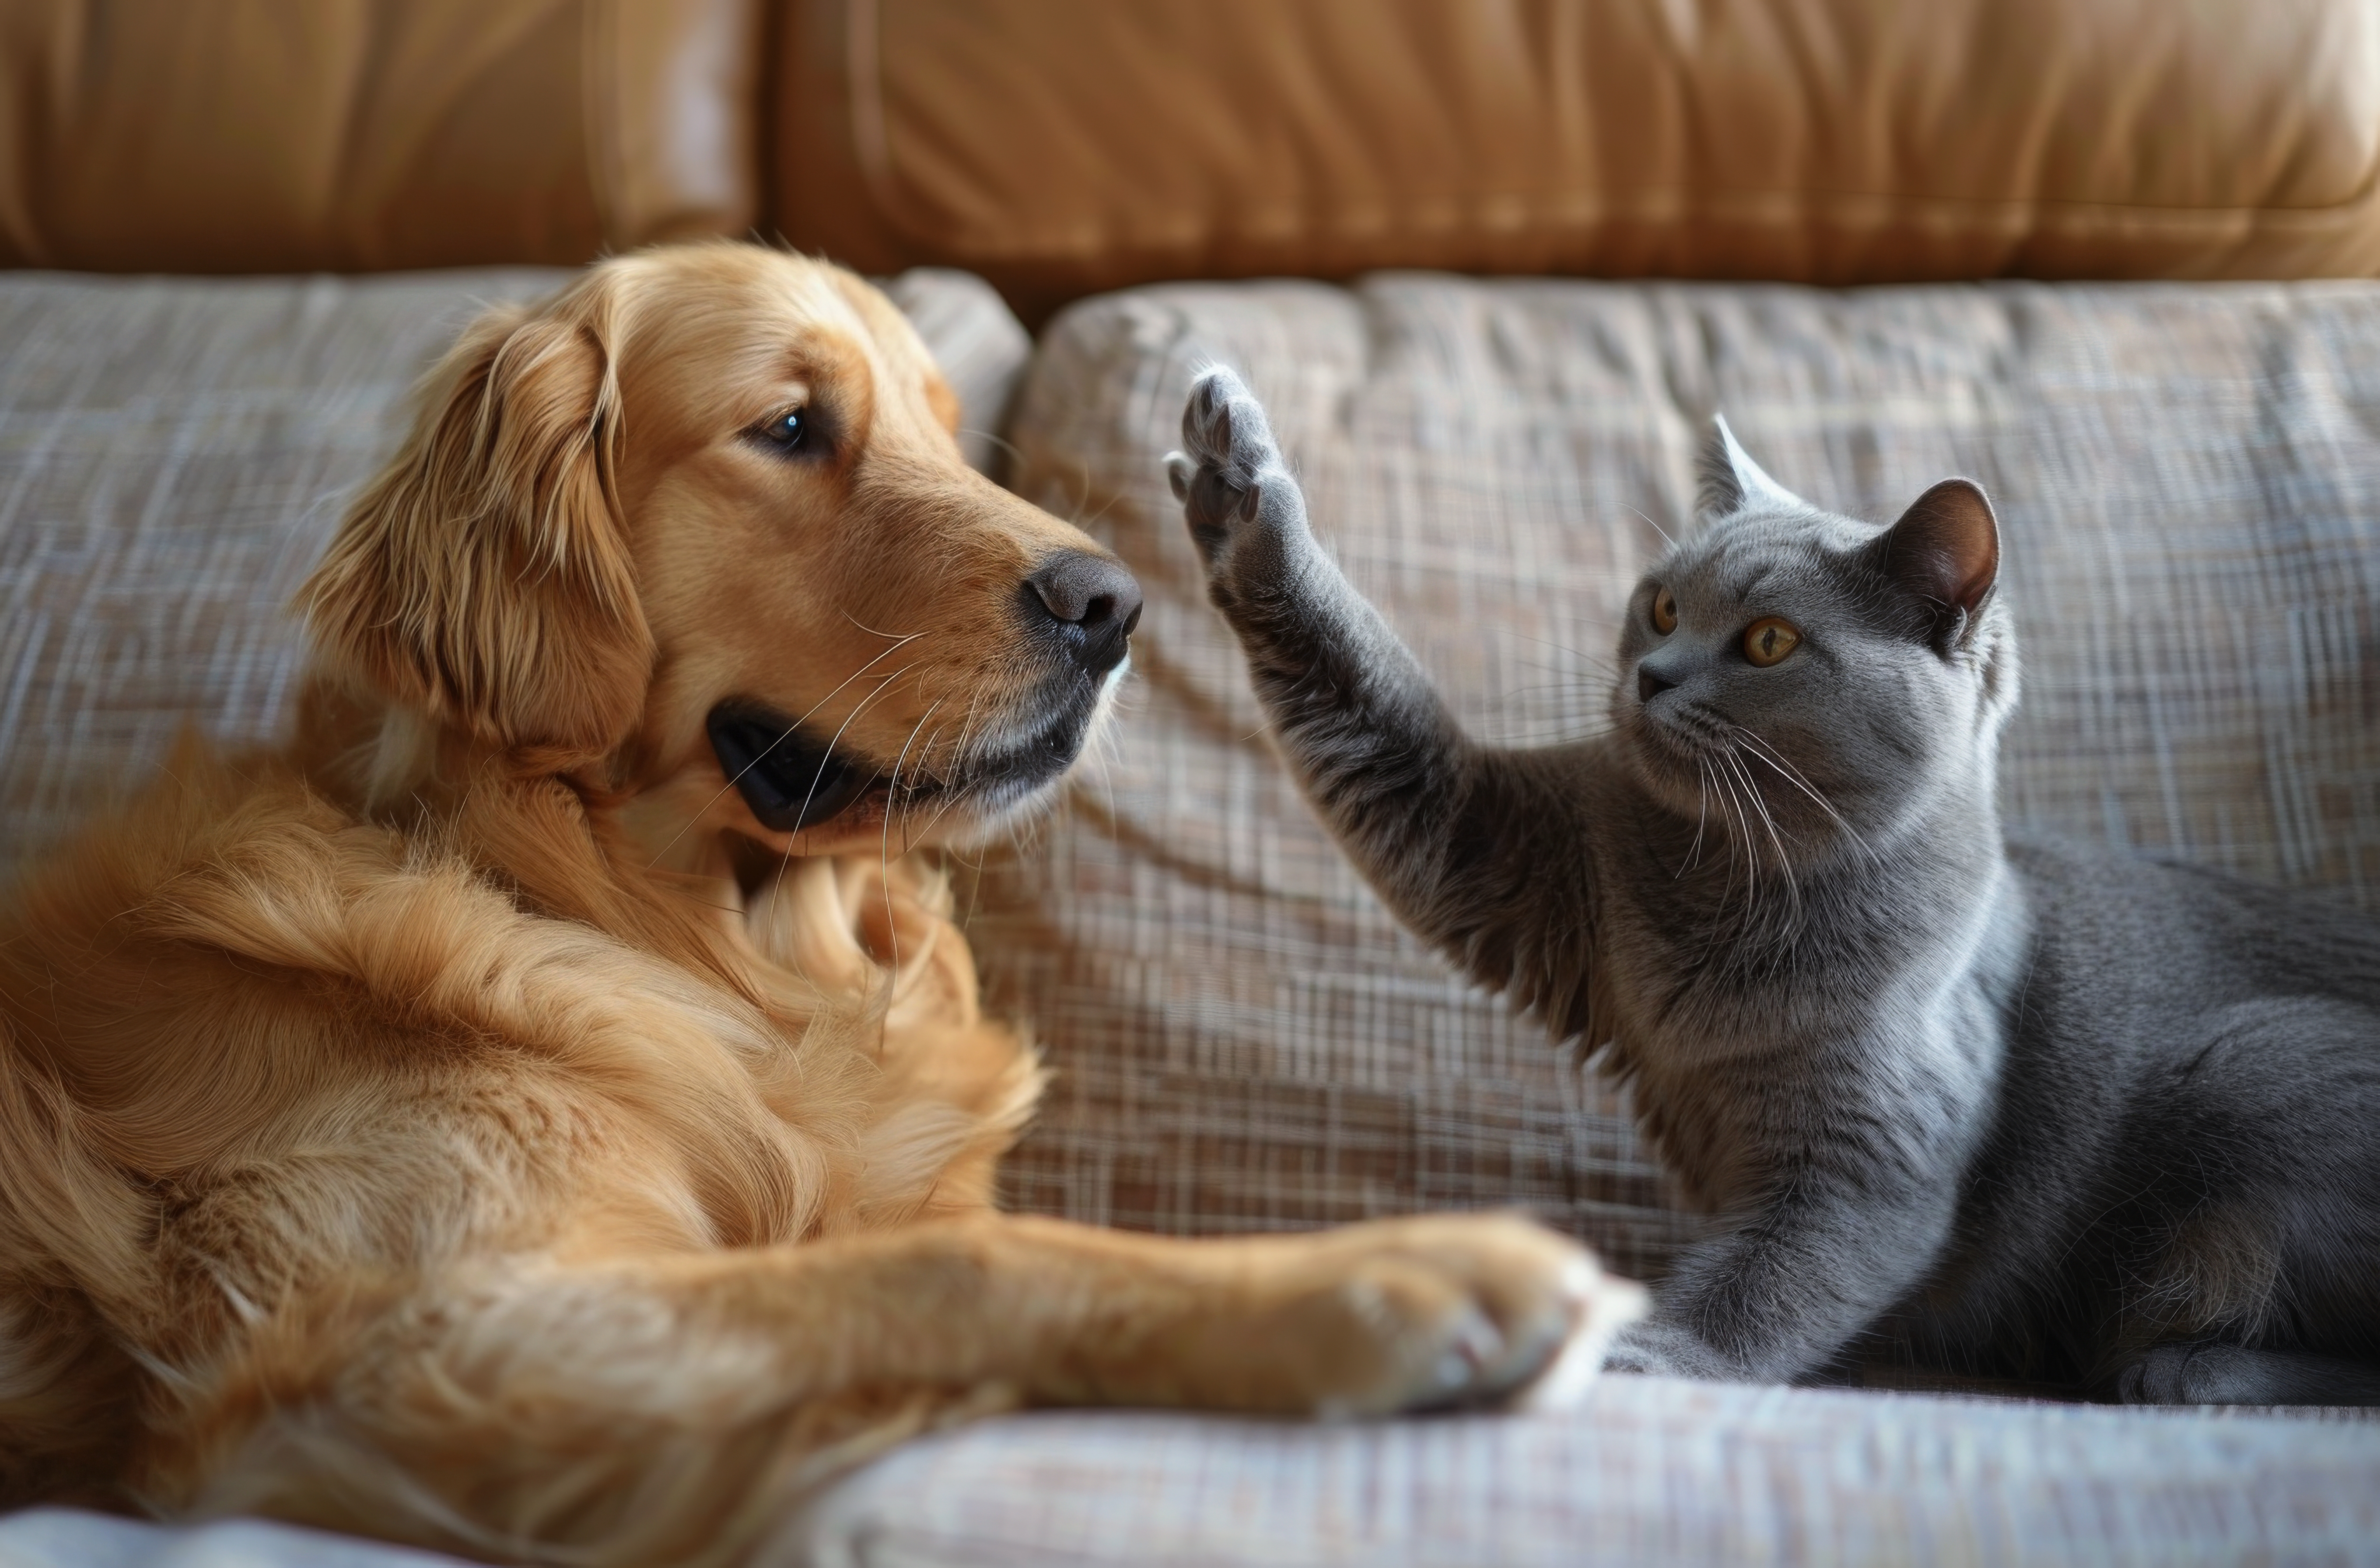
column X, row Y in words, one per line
column 1224, row 426
column 1661, row 1350
column 1449, row 1311
column 1230, row 476
column 2206, row 1374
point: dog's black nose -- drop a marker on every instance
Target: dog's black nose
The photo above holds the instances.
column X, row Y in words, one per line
column 1650, row 684
column 1094, row 602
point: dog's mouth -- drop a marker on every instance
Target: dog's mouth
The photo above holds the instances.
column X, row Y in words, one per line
column 792, row 780
column 789, row 779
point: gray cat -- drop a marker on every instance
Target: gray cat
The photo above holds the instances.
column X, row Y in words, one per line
column 1994, row 1107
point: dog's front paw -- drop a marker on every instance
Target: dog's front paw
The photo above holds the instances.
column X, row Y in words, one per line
column 1243, row 509
column 1444, row 1310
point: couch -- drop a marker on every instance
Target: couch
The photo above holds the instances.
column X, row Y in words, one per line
column 2183, row 449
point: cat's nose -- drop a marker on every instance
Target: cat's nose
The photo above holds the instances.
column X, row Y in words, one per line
column 1651, row 682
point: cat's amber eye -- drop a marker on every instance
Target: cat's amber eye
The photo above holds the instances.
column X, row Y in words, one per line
column 1769, row 638
column 1665, row 611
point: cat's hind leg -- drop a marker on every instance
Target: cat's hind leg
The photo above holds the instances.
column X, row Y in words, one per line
column 2267, row 1291
column 2236, row 1374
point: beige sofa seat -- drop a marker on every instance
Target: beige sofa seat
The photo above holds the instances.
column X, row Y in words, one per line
column 1242, row 1038
column 1652, row 1471
column 2189, row 480
column 173, row 458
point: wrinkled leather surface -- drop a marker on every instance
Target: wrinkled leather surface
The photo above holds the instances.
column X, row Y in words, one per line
column 282, row 135
column 1060, row 147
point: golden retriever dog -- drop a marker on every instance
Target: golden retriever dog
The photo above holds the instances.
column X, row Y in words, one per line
column 542, row 1110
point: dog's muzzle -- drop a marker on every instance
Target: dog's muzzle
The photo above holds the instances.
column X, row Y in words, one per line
column 789, row 780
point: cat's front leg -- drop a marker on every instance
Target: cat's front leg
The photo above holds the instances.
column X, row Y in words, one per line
column 1669, row 1349
column 1475, row 850
column 1357, row 719
column 1790, row 1285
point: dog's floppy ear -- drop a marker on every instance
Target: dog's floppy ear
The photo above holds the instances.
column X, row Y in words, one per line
column 484, row 578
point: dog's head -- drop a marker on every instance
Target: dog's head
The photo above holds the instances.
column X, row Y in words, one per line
column 699, row 527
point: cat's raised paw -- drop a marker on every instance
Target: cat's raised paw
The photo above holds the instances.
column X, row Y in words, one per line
column 1233, row 487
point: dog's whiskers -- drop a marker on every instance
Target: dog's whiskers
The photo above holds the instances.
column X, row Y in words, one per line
column 720, row 794
column 1015, row 452
column 785, row 862
column 891, row 804
column 958, row 762
column 925, row 765
column 897, row 636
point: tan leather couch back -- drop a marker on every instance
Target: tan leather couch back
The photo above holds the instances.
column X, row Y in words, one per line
column 1065, row 146
column 286, row 135
column 1060, row 147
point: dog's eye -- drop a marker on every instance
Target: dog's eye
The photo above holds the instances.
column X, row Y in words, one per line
column 787, row 430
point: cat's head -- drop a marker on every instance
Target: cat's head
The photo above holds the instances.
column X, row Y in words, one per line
column 1839, row 674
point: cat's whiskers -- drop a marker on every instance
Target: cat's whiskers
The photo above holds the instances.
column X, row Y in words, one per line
column 1756, row 899
column 1762, row 752
column 1776, row 838
column 1739, row 846
column 1717, row 761
column 1715, row 938
column 1702, row 817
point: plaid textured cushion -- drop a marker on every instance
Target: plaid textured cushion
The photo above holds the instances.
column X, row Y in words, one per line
column 1243, row 1039
column 173, row 456
column 2189, row 484
column 1651, row 1470
column 2186, row 477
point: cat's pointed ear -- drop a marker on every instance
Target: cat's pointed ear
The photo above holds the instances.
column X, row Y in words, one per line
column 1944, row 551
column 1728, row 480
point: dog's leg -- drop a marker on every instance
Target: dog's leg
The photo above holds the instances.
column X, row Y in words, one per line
column 670, row 1410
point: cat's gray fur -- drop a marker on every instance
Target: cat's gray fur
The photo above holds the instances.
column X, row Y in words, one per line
column 2007, row 1108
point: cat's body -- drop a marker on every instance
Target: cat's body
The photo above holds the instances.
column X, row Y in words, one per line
column 2006, row 1108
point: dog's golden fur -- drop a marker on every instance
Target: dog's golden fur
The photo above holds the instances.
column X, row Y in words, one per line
column 468, row 1123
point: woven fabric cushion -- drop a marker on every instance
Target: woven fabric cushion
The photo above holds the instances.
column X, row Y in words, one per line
column 2187, row 477
column 1651, row 1470
column 70, row 1537
column 1243, row 1038
column 174, row 454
